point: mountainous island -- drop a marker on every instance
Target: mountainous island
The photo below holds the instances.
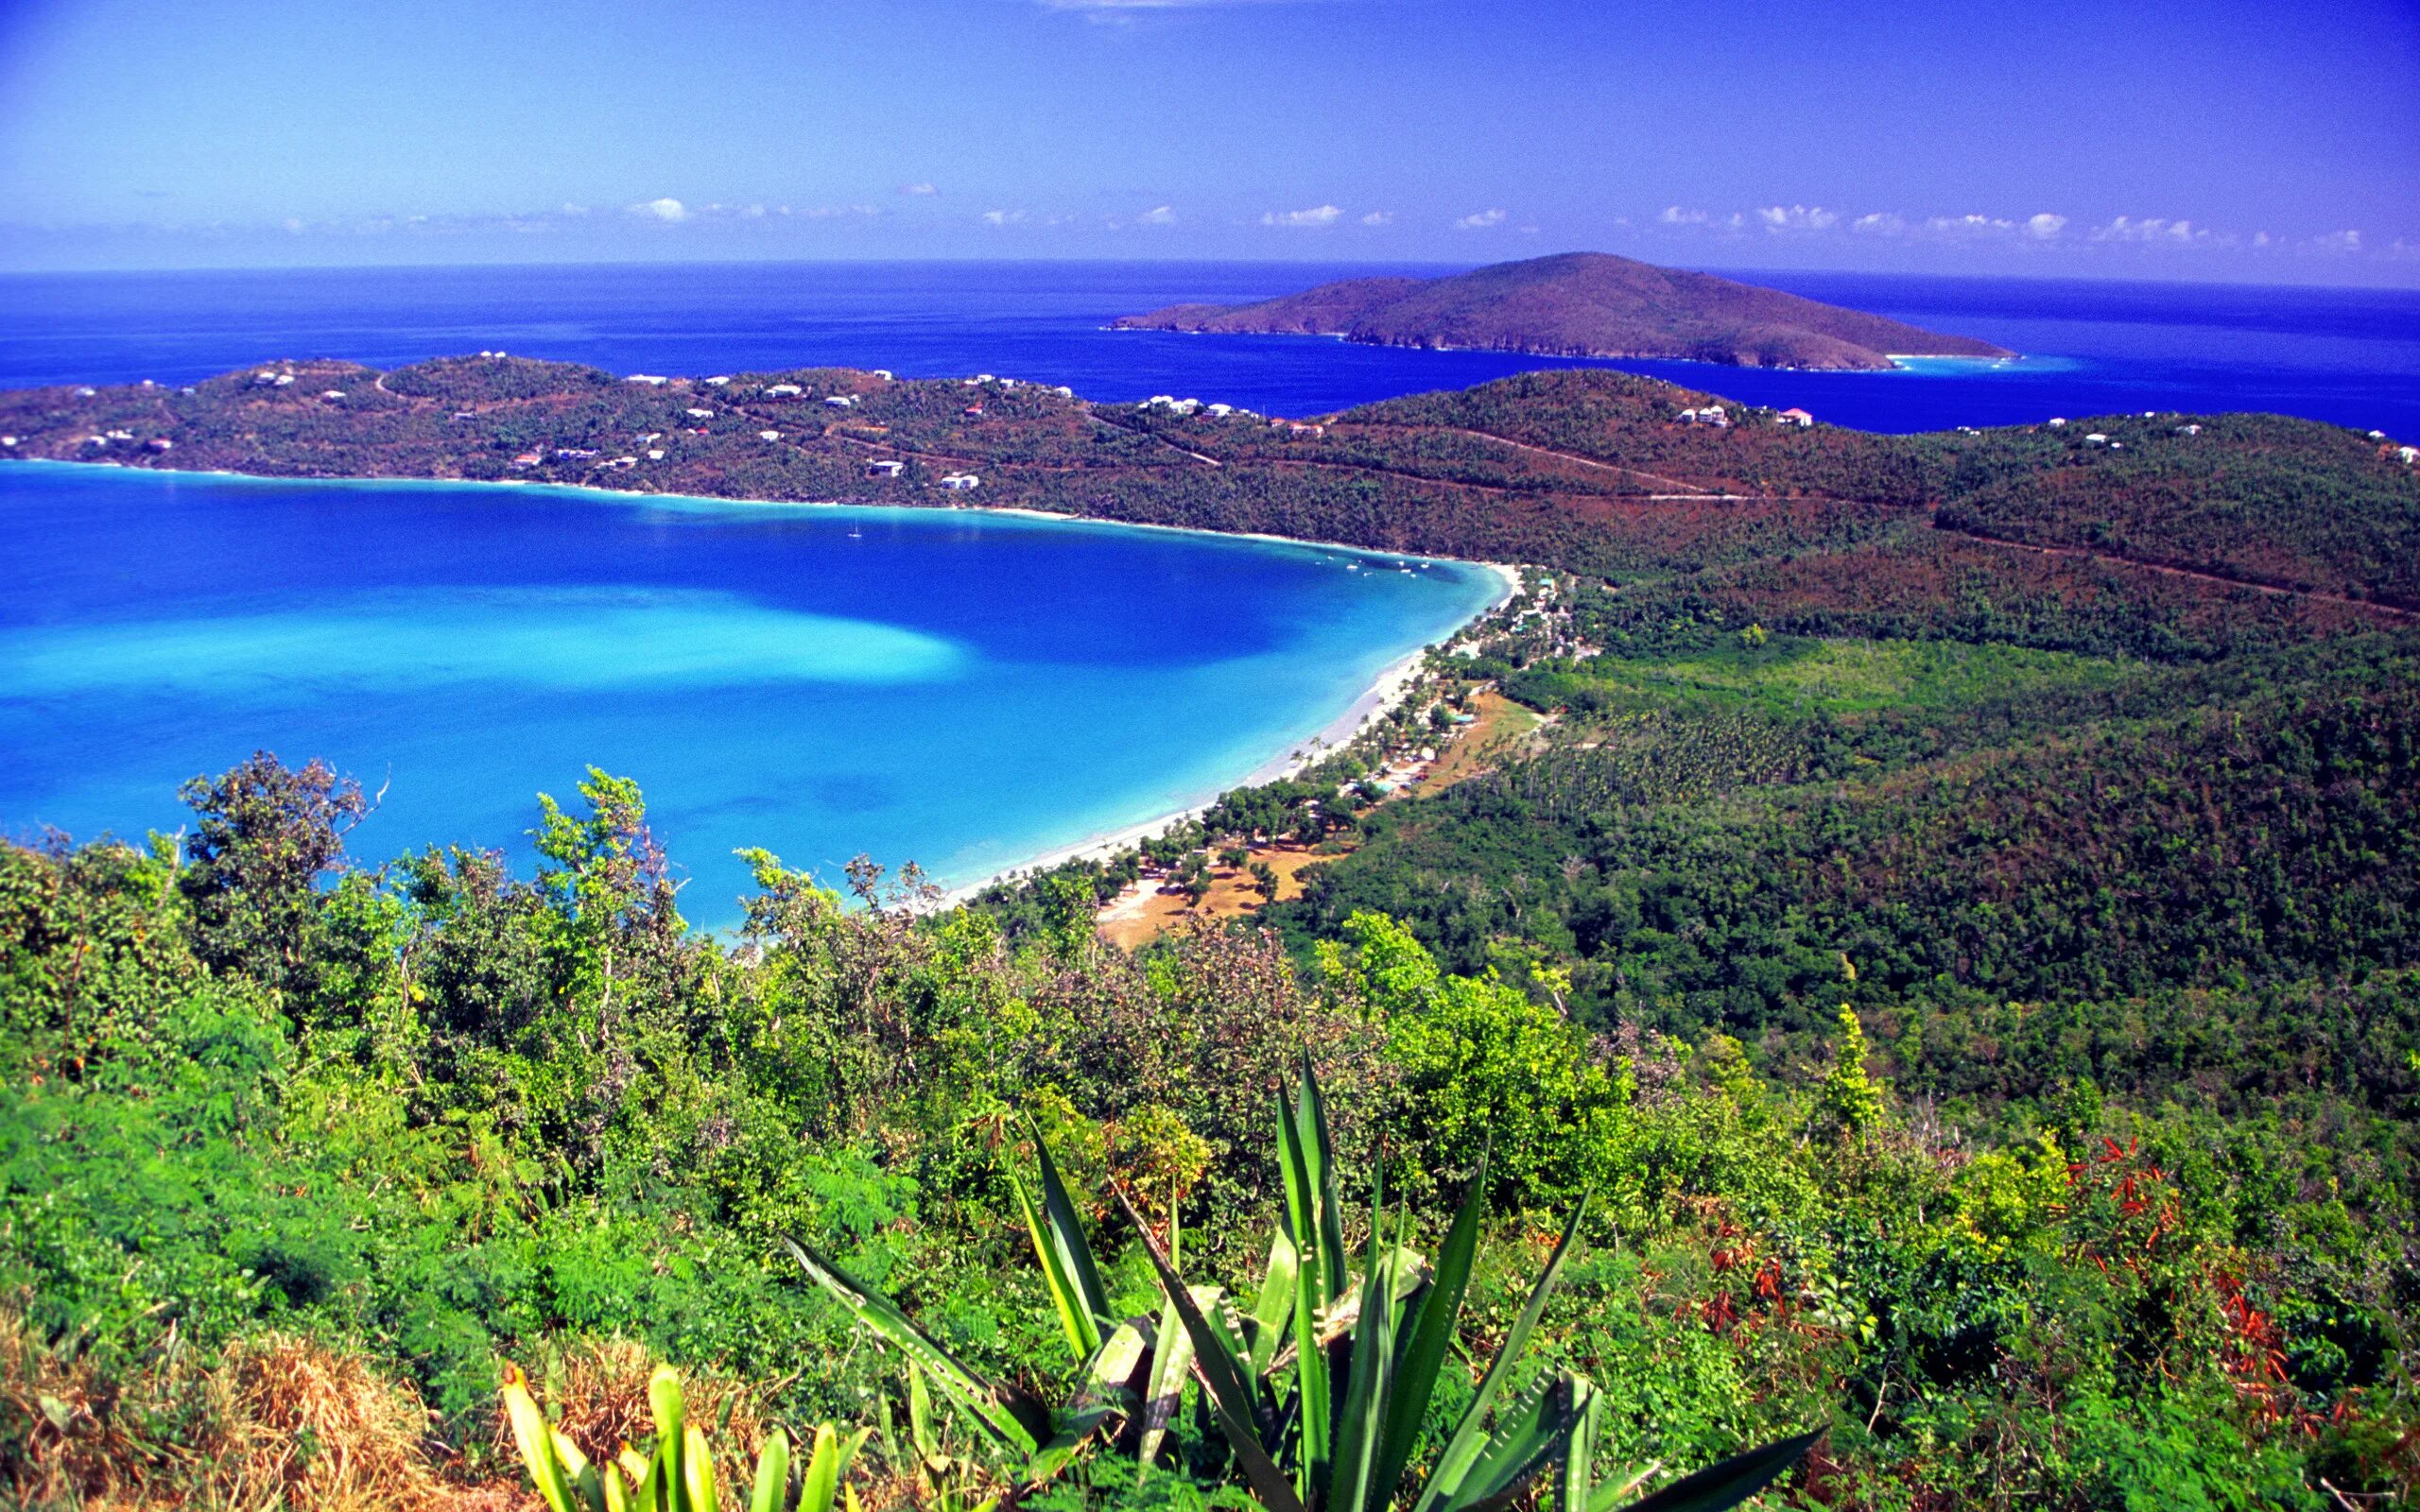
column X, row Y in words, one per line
column 1929, row 920
column 1580, row 304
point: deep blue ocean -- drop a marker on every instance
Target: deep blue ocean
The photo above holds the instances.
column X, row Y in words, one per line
column 2347, row 356
column 964, row 690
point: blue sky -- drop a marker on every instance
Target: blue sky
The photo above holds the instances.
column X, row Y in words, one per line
column 2155, row 139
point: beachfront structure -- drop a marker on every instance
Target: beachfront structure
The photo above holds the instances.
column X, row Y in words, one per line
column 783, row 391
column 651, row 379
column 840, row 401
column 2408, row 454
column 528, row 459
column 768, row 436
column 960, row 482
column 2188, row 430
column 2096, row 438
column 885, row 468
column 1795, row 416
column 719, row 379
column 701, row 414
column 2058, row 420
column 883, row 373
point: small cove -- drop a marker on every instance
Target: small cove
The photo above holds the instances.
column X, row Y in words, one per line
column 966, row 689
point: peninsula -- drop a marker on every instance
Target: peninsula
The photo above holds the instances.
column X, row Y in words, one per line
column 1581, row 305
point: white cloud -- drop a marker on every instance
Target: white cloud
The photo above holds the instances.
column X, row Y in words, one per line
column 2149, row 229
column 1879, row 223
column 570, row 209
column 1157, row 215
column 917, row 190
column 666, row 210
column 1797, row 217
column 1377, row 217
column 1676, row 216
column 1002, row 217
column 2339, row 241
column 1316, row 215
column 1480, row 222
column 2045, row 227
column 1962, row 228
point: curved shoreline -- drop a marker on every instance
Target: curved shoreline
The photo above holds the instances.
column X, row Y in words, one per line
column 1392, row 684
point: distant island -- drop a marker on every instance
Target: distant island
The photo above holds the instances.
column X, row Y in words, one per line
column 1581, row 305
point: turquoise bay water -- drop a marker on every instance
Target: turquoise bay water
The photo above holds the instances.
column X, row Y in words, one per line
column 961, row 689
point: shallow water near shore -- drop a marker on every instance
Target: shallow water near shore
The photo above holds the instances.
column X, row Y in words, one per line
column 964, row 689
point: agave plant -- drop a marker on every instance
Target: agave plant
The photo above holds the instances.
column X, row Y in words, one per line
column 1321, row 1388
column 679, row 1474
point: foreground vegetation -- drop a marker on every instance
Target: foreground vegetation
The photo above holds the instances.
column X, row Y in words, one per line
column 431, row 1116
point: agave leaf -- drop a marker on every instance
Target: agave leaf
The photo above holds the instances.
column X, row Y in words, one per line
column 1730, row 1483
column 1310, row 1291
column 1059, row 1243
column 641, row 1471
column 1230, row 1392
column 1310, row 1115
column 697, row 1470
column 1075, row 1430
column 530, row 1432
column 1463, row 1447
column 1526, row 1432
column 586, row 1488
column 825, row 1461
column 1360, row 1424
column 1274, row 1307
column 1586, row 1405
column 1109, row 1375
column 1009, row 1417
column 920, row 1414
column 1609, row 1496
column 617, row 1498
column 670, row 1409
column 773, row 1472
column 1429, row 1336
column 1171, row 1362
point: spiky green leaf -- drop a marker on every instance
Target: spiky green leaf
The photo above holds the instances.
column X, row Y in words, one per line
column 1730, row 1483
column 1232, row 1394
column 1463, row 1447
column 1429, row 1336
column 1058, row 1233
column 1009, row 1417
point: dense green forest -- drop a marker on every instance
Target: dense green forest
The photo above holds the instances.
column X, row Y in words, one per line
column 1953, row 944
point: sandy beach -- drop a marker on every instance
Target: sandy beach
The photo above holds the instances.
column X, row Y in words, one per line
column 1392, row 684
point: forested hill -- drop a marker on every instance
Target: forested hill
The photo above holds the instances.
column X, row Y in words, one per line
column 1581, row 305
column 1595, row 472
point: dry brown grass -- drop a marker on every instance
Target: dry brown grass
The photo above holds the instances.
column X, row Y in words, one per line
column 285, row 1423
column 277, row 1423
